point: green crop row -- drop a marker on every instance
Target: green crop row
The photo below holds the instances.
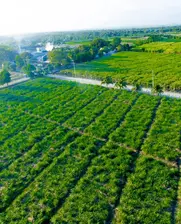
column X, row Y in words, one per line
column 85, row 116
column 14, row 123
column 23, row 170
column 136, row 67
column 51, row 174
column 79, row 101
column 164, row 137
column 166, row 47
column 29, row 95
column 149, row 194
column 112, row 116
column 59, row 101
column 135, row 126
column 20, row 143
column 178, row 205
column 3, row 108
column 55, row 182
column 95, row 196
column 39, row 88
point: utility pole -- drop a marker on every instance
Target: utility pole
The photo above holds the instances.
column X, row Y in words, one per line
column 153, row 80
column 74, row 67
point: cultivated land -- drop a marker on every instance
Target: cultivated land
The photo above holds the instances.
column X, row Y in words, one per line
column 78, row 43
column 136, row 67
column 166, row 47
column 15, row 78
column 73, row 153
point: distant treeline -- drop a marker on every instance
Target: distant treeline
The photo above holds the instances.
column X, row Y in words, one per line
column 63, row 37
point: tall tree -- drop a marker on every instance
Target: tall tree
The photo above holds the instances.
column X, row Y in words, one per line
column 26, row 56
column 19, row 61
column 137, row 87
column 10, row 66
column 158, row 89
column 29, row 70
column 6, row 54
column 121, row 84
column 99, row 43
column 5, row 77
column 116, row 42
column 107, row 80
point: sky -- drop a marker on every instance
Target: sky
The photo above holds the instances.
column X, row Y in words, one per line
column 27, row 16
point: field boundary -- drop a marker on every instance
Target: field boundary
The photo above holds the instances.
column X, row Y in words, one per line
column 99, row 83
column 139, row 152
column 167, row 162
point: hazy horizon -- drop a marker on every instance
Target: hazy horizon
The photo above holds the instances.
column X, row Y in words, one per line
column 93, row 29
column 20, row 17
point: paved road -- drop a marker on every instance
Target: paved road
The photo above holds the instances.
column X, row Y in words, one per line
column 14, row 82
column 97, row 82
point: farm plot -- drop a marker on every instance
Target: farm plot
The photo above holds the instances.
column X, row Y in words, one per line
column 73, row 153
column 135, row 67
column 149, row 194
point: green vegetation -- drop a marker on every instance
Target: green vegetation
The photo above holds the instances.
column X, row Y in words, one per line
column 85, row 116
column 10, row 66
column 73, row 153
column 82, row 53
column 130, row 40
column 105, row 123
column 162, row 47
column 136, row 67
column 78, row 42
column 107, row 80
column 164, row 134
column 82, row 36
column 136, row 122
column 29, row 70
column 5, row 77
column 94, row 197
column 178, row 217
column 6, row 54
column 23, row 59
column 138, row 204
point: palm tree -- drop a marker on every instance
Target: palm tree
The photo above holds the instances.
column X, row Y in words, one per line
column 121, row 84
column 158, row 89
column 107, row 80
column 137, row 87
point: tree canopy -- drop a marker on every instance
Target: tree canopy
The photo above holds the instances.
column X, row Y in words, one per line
column 19, row 61
column 84, row 53
column 116, row 42
column 121, row 84
column 29, row 70
column 7, row 54
column 107, row 80
column 5, row 77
